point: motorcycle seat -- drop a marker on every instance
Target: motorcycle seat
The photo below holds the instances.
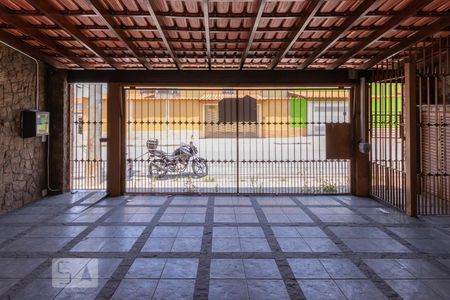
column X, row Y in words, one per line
column 159, row 153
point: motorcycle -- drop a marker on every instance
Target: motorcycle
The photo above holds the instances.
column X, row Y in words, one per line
column 162, row 163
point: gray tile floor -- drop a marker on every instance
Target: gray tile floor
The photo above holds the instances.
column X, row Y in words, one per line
column 86, row 246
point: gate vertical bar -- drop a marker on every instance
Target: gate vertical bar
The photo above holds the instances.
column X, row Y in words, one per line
column 411, row 139
column 237, row 142
column 114, row 145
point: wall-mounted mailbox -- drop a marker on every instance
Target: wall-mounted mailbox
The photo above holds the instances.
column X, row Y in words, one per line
column 338, row 141
column 35, row 123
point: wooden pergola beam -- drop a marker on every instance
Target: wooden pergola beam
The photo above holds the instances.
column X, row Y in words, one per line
column 218, row 15
column 162, row 33
column 417, row 37
column 12, row 41
column 302, row 23
column 411, row 139
column 38, row 35
column 214, row 78
column 102, row 12
column 205, row 9
column 412, row 9
column 219, row 29
column 360, row 12
column 186, row 40
column 261, row 6
column 54, row 15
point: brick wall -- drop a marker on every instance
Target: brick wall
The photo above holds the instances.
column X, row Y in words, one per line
column 22, row 161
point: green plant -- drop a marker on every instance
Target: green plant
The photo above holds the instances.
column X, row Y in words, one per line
column 209, row 179
column 190, row 186
column 328, row 187
column 256, row 183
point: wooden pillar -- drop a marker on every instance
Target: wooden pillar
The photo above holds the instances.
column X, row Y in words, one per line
column 410, row 116
column 115, row 186
column 360, row 162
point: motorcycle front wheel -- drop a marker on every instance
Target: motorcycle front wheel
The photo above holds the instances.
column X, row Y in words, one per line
column 157, row 168
column 199, row 167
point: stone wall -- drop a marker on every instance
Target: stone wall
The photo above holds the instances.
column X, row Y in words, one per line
column 58, row 106
column 22, row 161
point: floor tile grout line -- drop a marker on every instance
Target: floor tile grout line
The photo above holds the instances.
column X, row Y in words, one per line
column 383, row 286
column 293, row 288
column 124, row 255
column 202, row 280
column 119, row 274
column 430, row 257
column 44, row 265
column 231, row 255
column 380, row 226
column 30, row 225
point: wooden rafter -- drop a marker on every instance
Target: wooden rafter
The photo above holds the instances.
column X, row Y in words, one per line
column 360, row 12
column 205, row 9
column 261, row 5
column 11, row 40
column 412, row 9
column 162, row 33
column 312, row 9
column 219, row 29
column 54, row 15
column 417, row 37
column 213, row 42
column 38, row 35
column 229, row 15
column 102, row 12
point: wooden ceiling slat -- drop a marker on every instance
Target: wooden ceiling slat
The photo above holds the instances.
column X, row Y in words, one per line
column 101, row 12
column 38, row 35
column 205, row 9
column 11, row 40
column 214, row 41
column 218, row 15
column 64, row 23
column 412, row 9
column 261, row 6
column 219, row 29
column 161, row 33
column 312, row 8
column 360, row 12
column 417, row 37
column 150, row 4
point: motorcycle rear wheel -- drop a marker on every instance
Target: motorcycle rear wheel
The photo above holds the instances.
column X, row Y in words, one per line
column 199, row 167
column 157, row 168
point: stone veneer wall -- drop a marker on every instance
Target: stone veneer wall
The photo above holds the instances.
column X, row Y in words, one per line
column 22, row 161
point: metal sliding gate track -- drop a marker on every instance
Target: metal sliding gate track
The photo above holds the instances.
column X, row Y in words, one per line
column 252, row 140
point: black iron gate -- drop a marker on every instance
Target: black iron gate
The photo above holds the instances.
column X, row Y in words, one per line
column 252, row 140
column 88, row 136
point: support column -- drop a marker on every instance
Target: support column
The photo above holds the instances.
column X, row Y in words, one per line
column 410, row 116
column 360, row 162
column 115, row 185
column 59, row 139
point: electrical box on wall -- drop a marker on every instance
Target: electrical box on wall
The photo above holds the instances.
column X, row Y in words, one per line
column 35, row 123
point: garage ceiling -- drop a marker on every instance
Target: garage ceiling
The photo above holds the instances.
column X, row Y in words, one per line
column 214, row 34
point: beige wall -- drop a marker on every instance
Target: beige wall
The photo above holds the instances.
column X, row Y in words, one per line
column 186, row 111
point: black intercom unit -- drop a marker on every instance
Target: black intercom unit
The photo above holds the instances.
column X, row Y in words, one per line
column 35, row 123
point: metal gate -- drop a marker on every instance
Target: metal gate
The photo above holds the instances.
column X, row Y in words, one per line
column 88, row 136
column 386, row 124
column 252, row 140
column 433, row 71
column 386, row 131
